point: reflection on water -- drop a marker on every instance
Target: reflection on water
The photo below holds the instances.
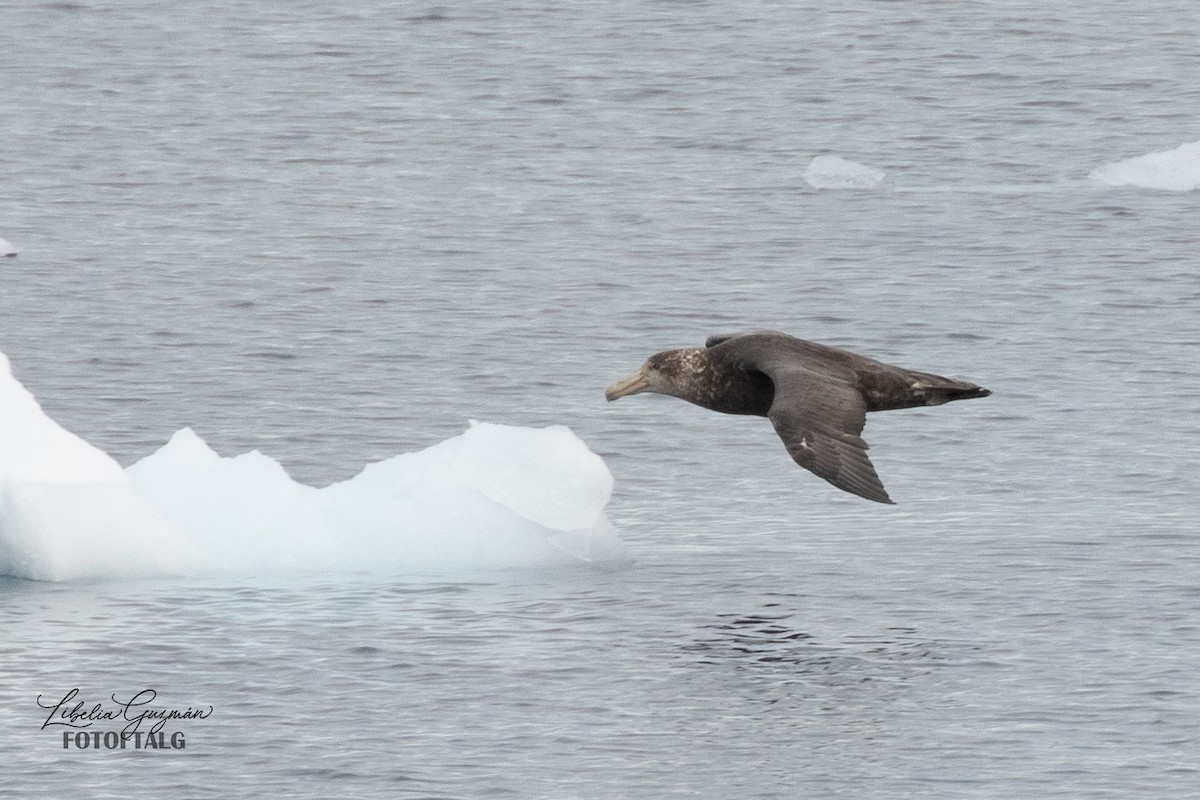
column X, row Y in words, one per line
column 769, row 639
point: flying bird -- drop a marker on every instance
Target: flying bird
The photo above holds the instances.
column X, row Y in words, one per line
column 816, row 396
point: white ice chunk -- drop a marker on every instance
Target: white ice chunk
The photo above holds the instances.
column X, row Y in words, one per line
column 67, row 509
column 503, row 462
column 835, row 172
column 35, row 449
column 6, row 248
column 494, row 497
column 1175, row 170
column 228, row 508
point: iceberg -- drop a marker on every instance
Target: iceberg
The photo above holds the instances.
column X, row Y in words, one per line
column 494, row 497
column 1175, row 170
column 6, row 249
column 835, row 172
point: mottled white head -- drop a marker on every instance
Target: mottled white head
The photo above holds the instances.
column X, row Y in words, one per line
column 671, row 372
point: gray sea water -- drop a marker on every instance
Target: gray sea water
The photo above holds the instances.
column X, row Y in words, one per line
column 335, row 231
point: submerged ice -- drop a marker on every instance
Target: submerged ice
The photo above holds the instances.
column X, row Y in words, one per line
column 494, row 497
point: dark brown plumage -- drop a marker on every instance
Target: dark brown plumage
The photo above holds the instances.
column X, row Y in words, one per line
column 816, row 396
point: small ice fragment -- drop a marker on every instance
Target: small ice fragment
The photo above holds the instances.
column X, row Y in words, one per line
column 835, row 172
column 1175, row 170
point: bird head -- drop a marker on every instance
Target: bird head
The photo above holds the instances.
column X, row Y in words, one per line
column 663, row 373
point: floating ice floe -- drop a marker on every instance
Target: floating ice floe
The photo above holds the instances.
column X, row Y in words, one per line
column 835, row 172
column 1175, row 170
column 494, row 497
column 6, row 248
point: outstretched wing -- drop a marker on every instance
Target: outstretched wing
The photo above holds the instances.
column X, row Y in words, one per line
column 819, row 419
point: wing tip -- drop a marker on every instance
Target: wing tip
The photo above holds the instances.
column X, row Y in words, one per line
column 869, row 491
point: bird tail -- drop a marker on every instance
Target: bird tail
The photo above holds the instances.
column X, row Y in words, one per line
column 938, row 390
